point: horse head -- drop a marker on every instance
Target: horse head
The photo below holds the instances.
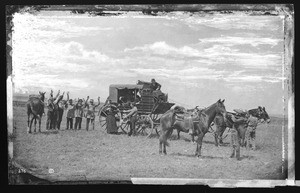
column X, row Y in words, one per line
column 260, row 113
column 42, row 95
column 220, row 108
column 264, row 115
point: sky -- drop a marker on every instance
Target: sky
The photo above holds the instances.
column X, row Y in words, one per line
column 197, row 58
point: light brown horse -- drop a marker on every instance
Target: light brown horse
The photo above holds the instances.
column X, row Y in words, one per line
column 205, row 118
column 167, row 122
column 35, row 107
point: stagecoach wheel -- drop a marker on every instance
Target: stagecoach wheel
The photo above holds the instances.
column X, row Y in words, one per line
column 125, row 127
column 156, row 122
column 145, row 125
column 102, row 119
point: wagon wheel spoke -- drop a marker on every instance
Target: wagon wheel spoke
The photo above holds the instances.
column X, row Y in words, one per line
column 124, row 127
column 149, row 125
column 139, row 128
column 102, row 118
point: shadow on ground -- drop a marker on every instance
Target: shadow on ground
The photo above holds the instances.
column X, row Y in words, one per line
column 192, row 155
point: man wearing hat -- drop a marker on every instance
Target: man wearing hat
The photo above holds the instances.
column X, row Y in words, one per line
column 90, row 115
column 250, row 132
column 132, row 115
column 155, row 85
column 79, row 113
column 235, row 135
column 50, row 124
column 70, row 107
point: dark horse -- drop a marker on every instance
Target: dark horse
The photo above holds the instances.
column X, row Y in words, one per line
column 221, row 124
column 185, row 123
column 204, row 120
column 35, row 107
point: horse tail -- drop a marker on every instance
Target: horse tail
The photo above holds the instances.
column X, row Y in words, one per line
column 167, row 143
column 28, row 108
column 163, row 139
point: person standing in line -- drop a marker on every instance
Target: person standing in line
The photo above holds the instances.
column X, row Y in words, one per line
column 70, row 107
column 60, row 112
column 51, row 111
column 90, row 115
column 80, row 105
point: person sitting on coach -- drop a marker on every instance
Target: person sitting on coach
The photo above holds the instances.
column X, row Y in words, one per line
column 155, row 85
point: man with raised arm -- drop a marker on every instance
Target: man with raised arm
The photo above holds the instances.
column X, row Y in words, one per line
column 70, row 107
column 79, row 106
column 90, row 115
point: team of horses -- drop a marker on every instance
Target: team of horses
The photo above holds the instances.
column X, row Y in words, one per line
column 200, row 122
column 196, row 121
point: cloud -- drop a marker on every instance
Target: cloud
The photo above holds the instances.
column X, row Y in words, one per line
column 237, row 21
column 232, row 41
column 194, row 73
column 52, row 27
column 162, row 48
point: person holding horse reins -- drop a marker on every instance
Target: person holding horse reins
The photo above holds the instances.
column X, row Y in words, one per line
column 250, row 132
column 132, row 115
column 235, row 136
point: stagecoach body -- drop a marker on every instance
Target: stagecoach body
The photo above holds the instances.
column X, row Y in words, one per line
column 150, row 104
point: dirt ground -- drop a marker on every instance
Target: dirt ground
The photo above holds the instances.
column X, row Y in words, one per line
column 96, row 155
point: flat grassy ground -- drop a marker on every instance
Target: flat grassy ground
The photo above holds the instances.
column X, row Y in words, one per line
column 96, row 155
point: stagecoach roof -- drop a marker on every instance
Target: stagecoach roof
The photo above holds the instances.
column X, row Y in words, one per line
column 128, row 86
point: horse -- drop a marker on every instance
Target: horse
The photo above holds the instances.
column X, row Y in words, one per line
column 221, row 124
column 204, row 120
column 185, row 123
column 167, row 121
column 35, row 107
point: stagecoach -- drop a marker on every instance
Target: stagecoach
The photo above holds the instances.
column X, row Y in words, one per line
column 151, row 105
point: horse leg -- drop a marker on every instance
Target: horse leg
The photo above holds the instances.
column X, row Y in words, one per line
column 199, row 144
column 216, row 139
column 161, row 139
column 28, row 121
column 162, row 142
column 193, row 138
column 178, row 134
column 40, row 121
column 165, row 138
column 220, row 137
column 35, row 124
column 160, row 147
column 31, row 124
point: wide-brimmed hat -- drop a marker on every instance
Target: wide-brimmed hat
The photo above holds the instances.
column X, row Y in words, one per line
column 70, row 100
column 91, row 100
column 240, row 111
column 80, row 100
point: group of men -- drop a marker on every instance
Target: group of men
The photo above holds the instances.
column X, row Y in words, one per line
column 56, row 107
column 251, row 123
